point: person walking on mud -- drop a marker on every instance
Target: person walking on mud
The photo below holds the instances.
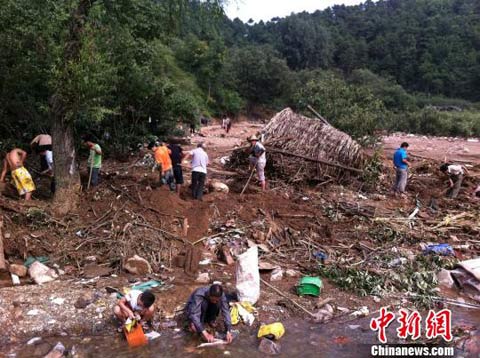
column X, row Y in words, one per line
column 199, row 170
column 400, row 161
column 258, row 160
column 14, row 162
column 455, row 177
column 176, row 156
column 164, row 163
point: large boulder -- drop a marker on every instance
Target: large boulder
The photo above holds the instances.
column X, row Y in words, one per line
column 138, row 266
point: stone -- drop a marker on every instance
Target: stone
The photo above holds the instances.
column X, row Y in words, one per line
column 138, row 266
column 57, row 351
column 225, row 255
column 219, row 187
column 93, row 270
column 445, row 279
column 269, row 347
column 276, row 275
column 292, row 273
column 19, row 270
column 84, row 300
column 41, row 273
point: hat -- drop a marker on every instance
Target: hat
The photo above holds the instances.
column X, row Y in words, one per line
column 253, row 137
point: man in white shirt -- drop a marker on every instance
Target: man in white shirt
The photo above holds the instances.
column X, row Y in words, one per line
column 455, row 174
column 135, row 305
column 199, row 170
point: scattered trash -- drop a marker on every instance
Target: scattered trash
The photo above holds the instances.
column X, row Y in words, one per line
column 134, row 334
column 58, row 301
column 272, row 331
column 57, row 351
column 354, row 326
column 152, row 335
column 215, row 343
column 323, row 316
column 269, row 347
column 225, row 255
column 396, row 262
column 33, row 312
column 292, row 273
column 138, row 266
column 310, row 286
column 15, row 279
column 34, row 340
column 41, row 273
column 439, row 249
column 248, row 276
column 30, row 260
column 362, row 312
column 321, row 256
column 242, row 311
column 277, row 274
column 203, row 278
column 205, row 262
column 19, row 270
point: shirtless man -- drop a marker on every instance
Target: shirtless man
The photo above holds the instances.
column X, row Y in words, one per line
column 13, row 162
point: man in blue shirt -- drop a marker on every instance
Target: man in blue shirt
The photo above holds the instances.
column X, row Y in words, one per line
column 400, row 160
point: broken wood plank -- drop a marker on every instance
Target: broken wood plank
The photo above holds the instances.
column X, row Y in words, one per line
column 323, row 161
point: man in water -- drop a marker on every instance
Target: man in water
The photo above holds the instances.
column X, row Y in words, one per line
column 204, row 306
column 13, row 162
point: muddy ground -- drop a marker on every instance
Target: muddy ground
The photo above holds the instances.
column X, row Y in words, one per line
column 129, row 214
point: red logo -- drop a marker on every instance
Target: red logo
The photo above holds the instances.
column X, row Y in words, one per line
column 381, row 323
column 436, row 325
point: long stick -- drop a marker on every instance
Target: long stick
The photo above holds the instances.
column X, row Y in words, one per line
column 326, row 162
column 288, row 298
column 90, row 177
column 248, row 181
column 3, row 265
column 318, row 115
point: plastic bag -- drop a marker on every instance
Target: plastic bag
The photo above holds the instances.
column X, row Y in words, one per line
column 248, row 276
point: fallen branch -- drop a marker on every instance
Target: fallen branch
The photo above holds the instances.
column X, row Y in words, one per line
column 3, row 265
column 248, row 181
column 219, row 234
column 288, row 298
column 323, row 161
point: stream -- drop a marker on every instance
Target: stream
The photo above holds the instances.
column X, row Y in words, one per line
column 347, row 338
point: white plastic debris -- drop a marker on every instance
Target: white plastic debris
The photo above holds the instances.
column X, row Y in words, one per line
column 34, row 340
column 33, row 312
column 58, row 301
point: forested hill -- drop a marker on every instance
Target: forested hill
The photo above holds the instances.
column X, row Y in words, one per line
column 430, row 46
column 135, row 69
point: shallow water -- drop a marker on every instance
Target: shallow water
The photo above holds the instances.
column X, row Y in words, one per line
column 302, row 339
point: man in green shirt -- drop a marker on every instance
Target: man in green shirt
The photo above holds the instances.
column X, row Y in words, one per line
column 95, row 159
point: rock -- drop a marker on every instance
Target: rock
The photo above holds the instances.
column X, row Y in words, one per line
column 322, row 316
column 19, row 270
column 292, row 273
column 41, row 273
column 276, row 275
column 57, row 351
column 218, row 187
column 203, row 278
column 472, row 346
column 138, row 266
column 269, row 347
column 93, row 270
column 445, row 279
column 34, row 340
column 225, row 255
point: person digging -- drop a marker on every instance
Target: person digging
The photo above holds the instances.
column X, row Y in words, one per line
column 455, row 177
column 258, row 160
column 203, row 308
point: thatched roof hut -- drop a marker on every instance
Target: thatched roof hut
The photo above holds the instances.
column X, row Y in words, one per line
column 306, row 149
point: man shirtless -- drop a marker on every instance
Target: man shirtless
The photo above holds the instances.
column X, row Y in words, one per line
column 13, row 162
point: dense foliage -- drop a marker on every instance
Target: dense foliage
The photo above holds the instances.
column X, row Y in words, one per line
column 146, row 66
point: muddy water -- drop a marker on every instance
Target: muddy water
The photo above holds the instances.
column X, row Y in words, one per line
column 302, row 339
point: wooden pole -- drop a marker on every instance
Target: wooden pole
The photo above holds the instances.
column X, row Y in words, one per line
column 288, row 298
column 323, row 161
column 248, row 181
column 3, row 264
column 90, row 176
column 318, row 115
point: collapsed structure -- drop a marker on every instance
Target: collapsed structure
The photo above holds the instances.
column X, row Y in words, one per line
column 303, row 148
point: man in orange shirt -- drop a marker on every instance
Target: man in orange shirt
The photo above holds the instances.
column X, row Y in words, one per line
column 164, row 163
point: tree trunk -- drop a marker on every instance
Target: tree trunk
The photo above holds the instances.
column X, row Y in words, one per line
column 63, row 114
